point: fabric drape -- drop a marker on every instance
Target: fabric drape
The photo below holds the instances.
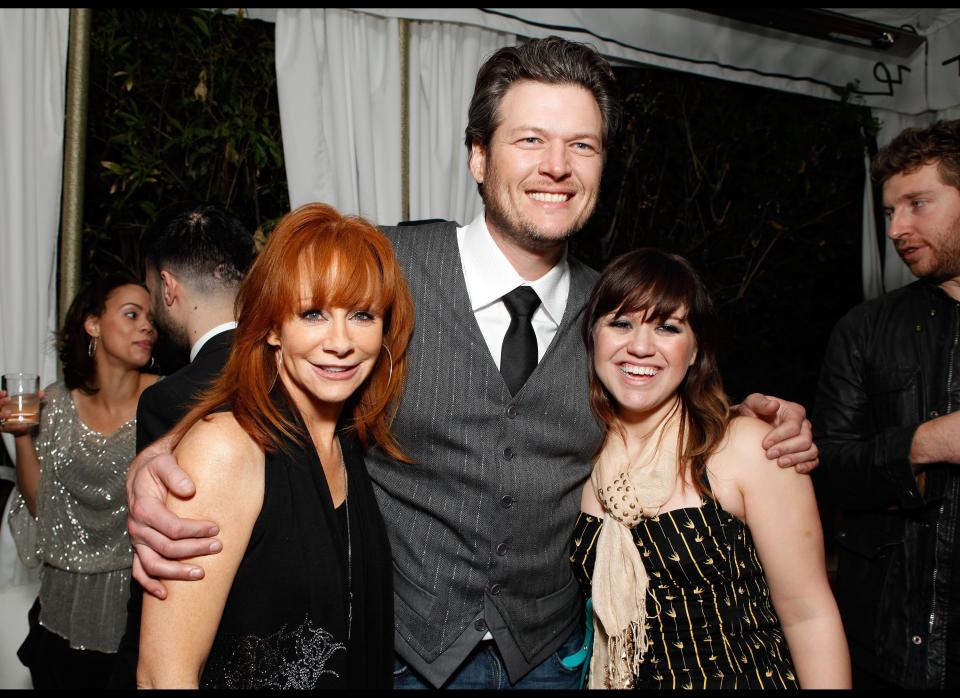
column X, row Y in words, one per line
column 444, row 59
column 33, row 61
column 338, row 82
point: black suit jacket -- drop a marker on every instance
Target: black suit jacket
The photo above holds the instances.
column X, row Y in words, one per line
column 163, row 404
column 160, row 407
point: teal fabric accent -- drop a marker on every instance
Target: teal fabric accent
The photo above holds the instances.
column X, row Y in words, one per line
column 582, row 658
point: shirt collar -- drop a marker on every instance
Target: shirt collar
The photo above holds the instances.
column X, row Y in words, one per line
column 213, row 332
column 489, row 275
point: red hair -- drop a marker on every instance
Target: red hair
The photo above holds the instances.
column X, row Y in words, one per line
column 350, row 264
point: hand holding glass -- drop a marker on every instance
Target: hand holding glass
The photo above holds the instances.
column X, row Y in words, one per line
column 22, row 389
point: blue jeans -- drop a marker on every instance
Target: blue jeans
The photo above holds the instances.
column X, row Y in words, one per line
column 484, row 669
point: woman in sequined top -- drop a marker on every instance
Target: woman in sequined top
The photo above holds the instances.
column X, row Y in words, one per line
column 703, row 556
column 301, row 595
column 71, row 511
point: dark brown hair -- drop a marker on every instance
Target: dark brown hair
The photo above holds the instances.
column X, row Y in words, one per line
column 552, row 60
column 659, row 285
column 350, row 263
column 915, row 147
column 72, row 340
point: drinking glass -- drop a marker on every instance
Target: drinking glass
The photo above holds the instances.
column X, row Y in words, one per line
column 23, row 389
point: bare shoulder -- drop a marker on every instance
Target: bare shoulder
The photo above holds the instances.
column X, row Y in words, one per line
column 740, row 468
column 742, row 445
column 217, row 447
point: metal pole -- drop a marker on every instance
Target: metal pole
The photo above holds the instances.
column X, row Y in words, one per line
column 74, row 154
column 405, row 116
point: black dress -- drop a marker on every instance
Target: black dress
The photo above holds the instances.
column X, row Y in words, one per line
column 716, row 626
column 286, row 623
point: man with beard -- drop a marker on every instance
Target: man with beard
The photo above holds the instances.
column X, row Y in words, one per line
column 888, row 425
column 195, row 258
column 495, row 411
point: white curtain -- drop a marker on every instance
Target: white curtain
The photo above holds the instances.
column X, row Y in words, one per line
column 338, row 80
column 444, row 60
column 33, row 59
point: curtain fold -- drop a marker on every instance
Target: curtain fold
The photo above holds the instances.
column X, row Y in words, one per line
column 33, row 60
column 444, row 60
column 338, row 82
column 33, row 78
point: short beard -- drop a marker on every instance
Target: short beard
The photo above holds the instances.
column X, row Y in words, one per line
column 175, row 333
column 947, row 265
column 522, row 232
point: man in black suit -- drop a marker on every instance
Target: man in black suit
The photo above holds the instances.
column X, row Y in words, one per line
column 196, row 257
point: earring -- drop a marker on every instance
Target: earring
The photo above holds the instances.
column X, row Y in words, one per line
column 389, row 375
column 92, row 347
column 279, row 359
column 153, row 361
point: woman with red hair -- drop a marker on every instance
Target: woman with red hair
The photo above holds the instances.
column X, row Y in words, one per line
column 301, row 596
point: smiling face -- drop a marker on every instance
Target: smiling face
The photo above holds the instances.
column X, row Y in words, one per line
column 924, row 223
column 642, row 361
column 541, row 172
column 124, row 331
column 327, row 352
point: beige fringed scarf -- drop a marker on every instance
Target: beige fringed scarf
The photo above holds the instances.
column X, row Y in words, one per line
column 627, row 491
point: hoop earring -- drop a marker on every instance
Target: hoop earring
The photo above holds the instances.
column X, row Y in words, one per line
column 92, row 347
column 153, row 361
column 389, row 375
column 277, row 375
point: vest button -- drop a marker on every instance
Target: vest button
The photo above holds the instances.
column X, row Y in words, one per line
column 917, row 640
column 481, row 626
column 508, row 453
column 495, row 589
column 507, row 501
column 512, row 412
column 934, row 413
column 502, row 549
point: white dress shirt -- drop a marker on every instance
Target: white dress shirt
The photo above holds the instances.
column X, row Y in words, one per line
column 489, row 276
column 198, row 345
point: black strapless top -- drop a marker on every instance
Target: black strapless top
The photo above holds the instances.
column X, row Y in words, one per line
column 709, row 614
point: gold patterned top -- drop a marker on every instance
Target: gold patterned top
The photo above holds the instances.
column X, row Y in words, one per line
column 710, row 620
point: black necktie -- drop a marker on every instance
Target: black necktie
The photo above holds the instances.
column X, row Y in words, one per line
column 518, row 357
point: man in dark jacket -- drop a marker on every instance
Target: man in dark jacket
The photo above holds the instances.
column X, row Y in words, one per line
column 887, row 420
column 196, row 256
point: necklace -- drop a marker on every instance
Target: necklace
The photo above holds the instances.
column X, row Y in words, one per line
column 346, row 504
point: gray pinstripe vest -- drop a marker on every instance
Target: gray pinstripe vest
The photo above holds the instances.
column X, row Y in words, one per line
column 484, row 517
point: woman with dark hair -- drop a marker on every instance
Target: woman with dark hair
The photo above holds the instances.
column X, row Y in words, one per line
column 71, row 512
column 701, row 556
column 301, row 596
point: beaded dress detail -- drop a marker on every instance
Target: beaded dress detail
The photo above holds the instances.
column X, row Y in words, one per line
column 80, row 533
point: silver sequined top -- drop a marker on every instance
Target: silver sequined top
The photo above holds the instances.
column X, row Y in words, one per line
column 81, row 525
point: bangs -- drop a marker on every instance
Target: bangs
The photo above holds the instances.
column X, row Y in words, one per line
column 661, row 294
column 340, row 271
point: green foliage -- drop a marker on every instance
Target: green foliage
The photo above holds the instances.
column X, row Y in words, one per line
column 183, row 106
column 762, row 191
